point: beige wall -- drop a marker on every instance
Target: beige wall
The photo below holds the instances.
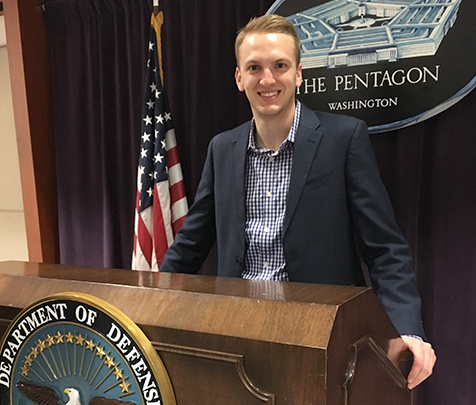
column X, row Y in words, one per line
column 3, row 37
column 12, row 223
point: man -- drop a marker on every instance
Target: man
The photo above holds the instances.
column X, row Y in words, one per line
column 296, row 194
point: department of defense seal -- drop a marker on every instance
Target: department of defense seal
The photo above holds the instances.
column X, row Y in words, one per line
column 75, row 349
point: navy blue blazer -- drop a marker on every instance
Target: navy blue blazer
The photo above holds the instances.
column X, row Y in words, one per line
column 337, row 212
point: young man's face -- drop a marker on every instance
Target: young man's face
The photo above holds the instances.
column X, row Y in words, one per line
column 268, row 74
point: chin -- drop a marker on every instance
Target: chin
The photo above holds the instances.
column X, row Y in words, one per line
column 271, row 112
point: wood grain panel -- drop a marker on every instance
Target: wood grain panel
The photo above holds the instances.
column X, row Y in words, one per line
column 227, row 369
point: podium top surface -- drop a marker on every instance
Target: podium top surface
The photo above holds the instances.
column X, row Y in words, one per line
column 267, row 290
column 163, row 299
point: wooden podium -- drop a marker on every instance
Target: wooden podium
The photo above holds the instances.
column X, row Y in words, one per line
column 231, row 341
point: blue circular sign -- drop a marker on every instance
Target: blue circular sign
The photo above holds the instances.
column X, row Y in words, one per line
column 391, row 63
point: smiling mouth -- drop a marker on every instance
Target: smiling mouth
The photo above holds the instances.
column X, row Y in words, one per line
column 269, row 94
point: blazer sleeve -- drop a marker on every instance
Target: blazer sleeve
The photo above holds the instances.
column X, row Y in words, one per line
column 382, row 245
column 198, row 233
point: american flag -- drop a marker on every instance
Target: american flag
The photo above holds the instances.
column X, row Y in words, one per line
column 161, row 205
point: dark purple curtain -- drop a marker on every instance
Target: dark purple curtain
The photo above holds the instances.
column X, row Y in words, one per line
column 98, row 53
column 430, row 172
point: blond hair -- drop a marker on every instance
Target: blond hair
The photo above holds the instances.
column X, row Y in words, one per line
column 269, row 24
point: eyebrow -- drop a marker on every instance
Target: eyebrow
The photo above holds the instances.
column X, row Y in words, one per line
column 253, row 61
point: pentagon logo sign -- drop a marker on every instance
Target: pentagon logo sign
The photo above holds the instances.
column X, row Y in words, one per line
column 75, row 349
column 392, row 63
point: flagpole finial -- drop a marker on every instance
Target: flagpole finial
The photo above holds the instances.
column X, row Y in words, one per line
column 156, row 7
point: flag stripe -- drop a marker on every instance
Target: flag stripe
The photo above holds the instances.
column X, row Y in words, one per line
column 175, row 174
column 170, row 140
column 178, row 224
column 172, row 157
column 136, row 221
column 144, row 238
column 179, row 209
column 161, row 222
column 177, row 192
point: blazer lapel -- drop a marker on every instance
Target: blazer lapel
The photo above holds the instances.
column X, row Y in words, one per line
column 238, row 164
column 308, row 137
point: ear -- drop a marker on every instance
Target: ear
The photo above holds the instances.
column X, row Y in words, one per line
column 238, row 80
column 299, row 75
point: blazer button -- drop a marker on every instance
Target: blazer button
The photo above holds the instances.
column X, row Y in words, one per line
column 238, row 262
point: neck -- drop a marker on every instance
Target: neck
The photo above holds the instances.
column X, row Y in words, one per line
column 270, row 132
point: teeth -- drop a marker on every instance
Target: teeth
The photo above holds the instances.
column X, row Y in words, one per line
column 269, row 94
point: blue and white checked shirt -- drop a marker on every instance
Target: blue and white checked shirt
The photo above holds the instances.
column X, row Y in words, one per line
column 267, row 184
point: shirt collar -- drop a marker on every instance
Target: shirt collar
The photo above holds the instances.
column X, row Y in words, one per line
column 291, row 135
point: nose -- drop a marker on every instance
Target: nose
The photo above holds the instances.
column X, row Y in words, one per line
column 267, row 77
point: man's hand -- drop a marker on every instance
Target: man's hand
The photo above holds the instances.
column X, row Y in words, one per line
column 424, row 359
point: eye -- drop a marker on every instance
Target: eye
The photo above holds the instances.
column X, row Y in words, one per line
column 253, row 68
column 280, row 65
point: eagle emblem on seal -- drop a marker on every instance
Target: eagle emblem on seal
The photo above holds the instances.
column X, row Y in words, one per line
column 43, row 395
